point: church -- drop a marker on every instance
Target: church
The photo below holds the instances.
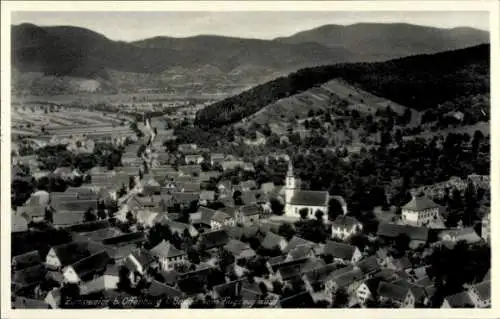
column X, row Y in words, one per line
column 296, row 199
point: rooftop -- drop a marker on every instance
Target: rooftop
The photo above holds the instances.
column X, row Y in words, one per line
column 419, row 203
column 309, row 198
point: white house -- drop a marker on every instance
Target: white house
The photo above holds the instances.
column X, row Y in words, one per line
column 167, row 255
column 419, row 211
column 296, row 199
column 344, row 227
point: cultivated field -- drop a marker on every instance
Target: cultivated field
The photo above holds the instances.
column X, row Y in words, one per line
column 35, row 121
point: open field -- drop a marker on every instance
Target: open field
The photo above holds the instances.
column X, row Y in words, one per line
column 65, row 122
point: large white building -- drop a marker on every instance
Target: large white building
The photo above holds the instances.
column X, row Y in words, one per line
column 296, row 199
column 419, row 211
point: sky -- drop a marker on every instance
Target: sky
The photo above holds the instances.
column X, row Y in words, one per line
column 131, row 26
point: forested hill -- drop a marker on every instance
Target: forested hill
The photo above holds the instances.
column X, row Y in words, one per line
column 421, row 82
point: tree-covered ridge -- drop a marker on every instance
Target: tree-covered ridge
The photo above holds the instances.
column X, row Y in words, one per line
column 421, row 82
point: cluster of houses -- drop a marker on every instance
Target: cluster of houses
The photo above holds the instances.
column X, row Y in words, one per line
column 227, row 233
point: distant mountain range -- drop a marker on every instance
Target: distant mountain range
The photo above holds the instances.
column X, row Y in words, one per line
column 79, row 52
column 375, row 41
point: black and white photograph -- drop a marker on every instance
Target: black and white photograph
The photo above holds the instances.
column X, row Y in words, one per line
column 196, row 159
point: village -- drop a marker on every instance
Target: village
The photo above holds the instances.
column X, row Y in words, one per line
column 150, row 233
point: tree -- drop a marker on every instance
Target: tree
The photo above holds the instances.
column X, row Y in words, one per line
column 49, row 215
column 101, row 211
column 225, row 259
column 124, row 282
column 340, row 298
column 319, row 215
column 401, row 243
column 193, row 256
column 303, row 213
column 89, row 215
column 276, row 206
column 131, row 182
column 334, row 209
column 286, row 230
column 359, row 240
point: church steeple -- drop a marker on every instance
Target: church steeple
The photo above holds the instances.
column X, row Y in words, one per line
column 290, row 183
column 290, row 170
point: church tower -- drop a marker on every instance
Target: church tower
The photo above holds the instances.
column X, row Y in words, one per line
column 290, row 183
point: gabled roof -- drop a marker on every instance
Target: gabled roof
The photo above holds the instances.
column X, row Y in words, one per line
column 158, row 289
column 302, row 299
column 347, row 278
column 369, row 265
column 234, row 231
column 279, row 262
column 67, row 218
column 220, row 217
column 214, row 239
column 345, row 222
column 236, row 247
column 297, row 241
column 339, row 250
column 253, row 197
column 143, row 257
column 459, row 300
column 392, row 291
column 321, row 273
column 165, row 250
column 250, row 210
column 394, row 230
column 90, row 265
column 72, row 252
column 126, row 238
column 372, row 284
column 83, row 193
column 272, row 240
column 26, row 260
column 231, row 211
column 230, row 290
column 300, row 251
column 419, row 203
column 184, row 198
column 425, row 282
column 29, row 276
column 88, row 227
column 190, row 169
column 309, row 198
column 483, row 290
column 102, row 234
column 402, row 263
column 249, row 184
column 73, row 205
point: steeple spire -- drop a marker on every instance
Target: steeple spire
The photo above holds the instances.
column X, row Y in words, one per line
column 290, row 169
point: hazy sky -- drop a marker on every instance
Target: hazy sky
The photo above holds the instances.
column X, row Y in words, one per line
column 128, row 26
